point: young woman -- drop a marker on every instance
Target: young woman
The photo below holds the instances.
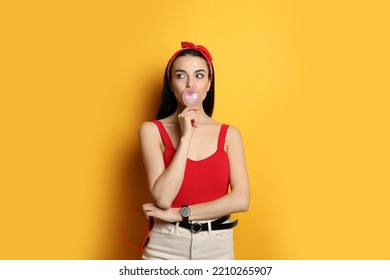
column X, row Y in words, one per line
column 190, row 161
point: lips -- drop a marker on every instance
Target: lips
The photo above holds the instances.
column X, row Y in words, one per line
column 191, row 94
column 190, row 98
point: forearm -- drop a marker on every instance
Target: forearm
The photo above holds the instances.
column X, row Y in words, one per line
column 225, row 205
column 168, row 184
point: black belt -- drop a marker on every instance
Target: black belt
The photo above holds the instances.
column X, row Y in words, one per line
column 196, row 227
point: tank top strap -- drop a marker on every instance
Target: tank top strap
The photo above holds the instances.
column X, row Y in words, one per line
column 164, row 134
column 222, row 136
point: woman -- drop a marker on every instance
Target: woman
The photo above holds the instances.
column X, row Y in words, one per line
column 190, row 161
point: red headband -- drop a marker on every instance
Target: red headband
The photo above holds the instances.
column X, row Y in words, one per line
column 192, row 46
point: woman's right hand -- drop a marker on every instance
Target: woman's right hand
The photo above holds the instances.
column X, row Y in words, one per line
column 188, row 120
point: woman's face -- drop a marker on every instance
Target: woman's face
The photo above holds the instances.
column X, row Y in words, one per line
column 190, row 74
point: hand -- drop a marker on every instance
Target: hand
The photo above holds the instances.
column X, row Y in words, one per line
column 188, row 120
column 169, row 215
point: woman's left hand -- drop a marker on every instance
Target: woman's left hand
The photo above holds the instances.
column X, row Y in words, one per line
column 169, row 215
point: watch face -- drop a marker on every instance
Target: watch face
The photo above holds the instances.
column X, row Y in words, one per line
column 185, row 212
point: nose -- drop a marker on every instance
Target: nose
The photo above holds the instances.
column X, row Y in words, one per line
column 190, row 83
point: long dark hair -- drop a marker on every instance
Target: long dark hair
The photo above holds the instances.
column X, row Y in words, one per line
column 168, row 102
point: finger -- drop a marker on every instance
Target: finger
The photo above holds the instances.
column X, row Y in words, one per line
column 147, row 205
column 190, row 108
column 196, row 123
column 149, row 214
column 188, row 114
column 191, row 114
column 147, row 208
column 188, row 121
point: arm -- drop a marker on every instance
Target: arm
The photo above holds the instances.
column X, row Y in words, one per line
column 164, row 184
column 237, row 200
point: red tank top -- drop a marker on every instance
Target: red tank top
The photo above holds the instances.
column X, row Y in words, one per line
column 204, row 180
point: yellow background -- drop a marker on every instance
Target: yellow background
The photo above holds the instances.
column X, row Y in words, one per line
column 306, row 82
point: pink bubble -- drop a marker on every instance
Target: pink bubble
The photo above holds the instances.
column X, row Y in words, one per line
column 191, row 99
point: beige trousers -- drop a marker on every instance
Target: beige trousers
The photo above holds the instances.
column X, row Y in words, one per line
column 171, row 242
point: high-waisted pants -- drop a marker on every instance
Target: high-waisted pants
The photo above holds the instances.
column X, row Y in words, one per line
column 171, row 242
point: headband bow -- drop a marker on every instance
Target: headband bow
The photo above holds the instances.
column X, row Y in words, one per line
column 192, row 46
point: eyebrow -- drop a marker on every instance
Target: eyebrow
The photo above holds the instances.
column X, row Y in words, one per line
column 197, row 71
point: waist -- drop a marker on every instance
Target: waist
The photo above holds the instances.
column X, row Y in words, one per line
column 217, row 224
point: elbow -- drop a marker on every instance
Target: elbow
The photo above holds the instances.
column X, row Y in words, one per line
column 163, row 206
column 163, row 203
column 240, row 197
column 244, row 206
column 161, row 200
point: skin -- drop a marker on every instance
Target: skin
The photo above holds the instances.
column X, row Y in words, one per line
column 194, row 135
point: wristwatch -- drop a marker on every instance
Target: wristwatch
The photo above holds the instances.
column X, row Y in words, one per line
column 185, row 213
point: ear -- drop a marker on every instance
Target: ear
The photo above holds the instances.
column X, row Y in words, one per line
column 208, row 88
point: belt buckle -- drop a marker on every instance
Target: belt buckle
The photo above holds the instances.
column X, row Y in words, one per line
column 196, row 227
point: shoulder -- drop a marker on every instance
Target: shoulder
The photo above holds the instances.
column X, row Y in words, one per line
column 233, row 136
column 233, row 132
column 148, row 129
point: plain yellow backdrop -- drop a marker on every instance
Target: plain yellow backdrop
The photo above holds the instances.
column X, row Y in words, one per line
column 306, row 82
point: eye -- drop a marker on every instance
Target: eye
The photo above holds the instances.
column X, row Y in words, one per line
column 180, row 76
column 199, row 75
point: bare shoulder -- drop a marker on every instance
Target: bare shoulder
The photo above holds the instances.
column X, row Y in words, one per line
column 233, row 134
column 148, row 130
column 233, row 137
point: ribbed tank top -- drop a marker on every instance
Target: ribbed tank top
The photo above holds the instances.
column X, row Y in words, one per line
column 204, row 180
